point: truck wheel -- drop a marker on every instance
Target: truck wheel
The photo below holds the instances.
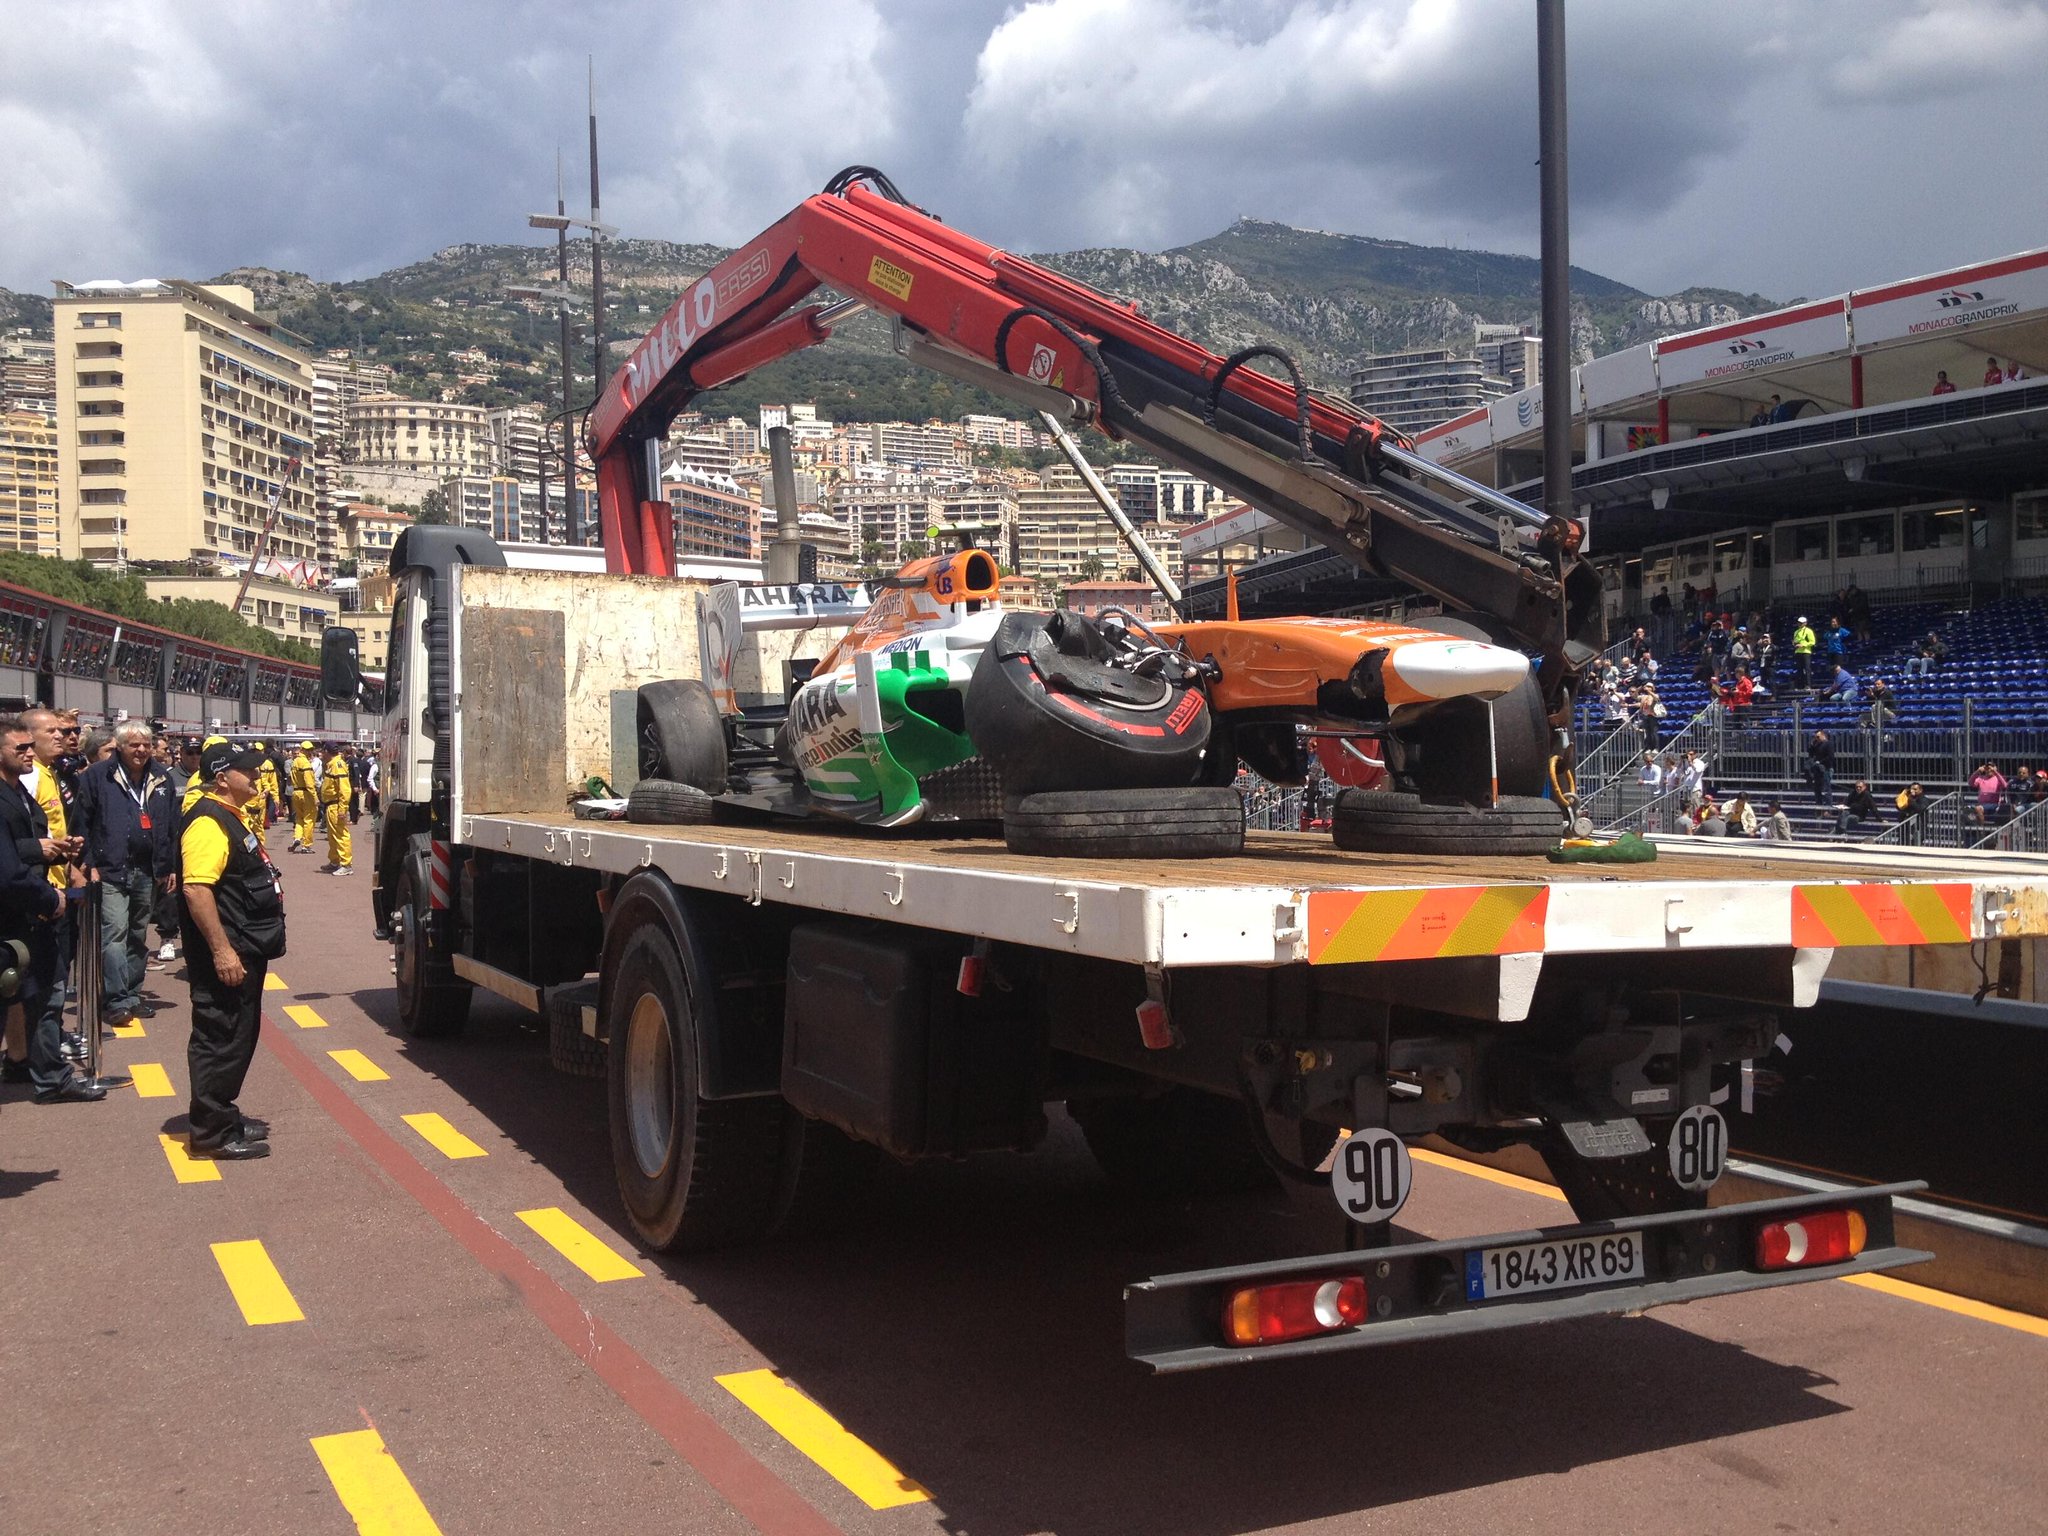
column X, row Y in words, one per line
column 681, row 734
column 1196, row 823
column 1179, row 1142
column 1392, row 821
column 1050, row 720
column 570, row 1051
column 662, row 802
column 431, row 1002
column 694, row 1173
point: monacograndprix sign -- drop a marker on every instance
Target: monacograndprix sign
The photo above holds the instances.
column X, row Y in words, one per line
column 1723, row 354
column 1994, row 293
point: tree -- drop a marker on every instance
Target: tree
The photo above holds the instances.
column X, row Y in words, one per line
column 1091, row 569
column 434, row 508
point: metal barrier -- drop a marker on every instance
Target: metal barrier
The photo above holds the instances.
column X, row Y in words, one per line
column 1944, row 823
column 2025, row 832
column 84, row 905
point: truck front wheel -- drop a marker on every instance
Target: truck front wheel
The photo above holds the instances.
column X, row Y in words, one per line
column 430, row 1001
column 694, row 1173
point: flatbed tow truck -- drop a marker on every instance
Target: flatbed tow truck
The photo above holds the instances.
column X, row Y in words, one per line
column 762, row 994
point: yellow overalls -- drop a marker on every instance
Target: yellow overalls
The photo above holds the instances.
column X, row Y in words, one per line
column 334, row 796
column 305, row 801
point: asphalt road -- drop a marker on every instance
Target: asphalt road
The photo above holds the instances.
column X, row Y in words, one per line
column 946, row 1358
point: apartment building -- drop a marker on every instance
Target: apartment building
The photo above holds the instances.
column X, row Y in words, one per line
column 180, row 414
column 908, row 446
column 28, row 373
column 423, row 436
column 712, row 516
column 28, row 481
column 882, row 521
column 518, row 437
column 1413, row 391
column 1508, row 353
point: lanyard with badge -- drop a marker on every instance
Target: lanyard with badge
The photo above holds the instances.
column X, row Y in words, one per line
column 139, row 796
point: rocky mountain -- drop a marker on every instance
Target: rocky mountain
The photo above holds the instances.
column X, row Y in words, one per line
column 1328, row 298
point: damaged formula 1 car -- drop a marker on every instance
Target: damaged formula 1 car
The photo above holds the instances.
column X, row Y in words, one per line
column 1106, row 735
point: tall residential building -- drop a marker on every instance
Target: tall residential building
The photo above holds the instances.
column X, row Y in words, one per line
column 28, row 373
column 1412, row 391
column 885, row 524
column 707, row 452
column 390, row 432
column 1061, row 531
column 178, row 414
column 900, row 443
column 712, row 517
column 987, row 516
column 999, row 432
column 1508, row 353
column 518, row 441
column 28, row 481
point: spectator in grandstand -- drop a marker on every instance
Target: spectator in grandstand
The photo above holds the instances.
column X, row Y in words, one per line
column 1662, row 626
column 1692, row 779
column 1651, row 776
column 1941, row 384
column 1739, row 690
column 1856, row 610
column 1741, row 653
column 1708, row 820
column 1777, row 826
column 1912, row 804
column 1717, row 644
column 1613, row 703
column 1989, row 784
column 2019, row 790
column 1841, row 685
column 1669, row 773
column 1740, row 816
column 1650, row 713
column 1820, row 768
column 1883, row 704
column 1766, row 658
column 1639, row 645
column 1931, row 653
column 1803, row 642
column 1993, row 374
column 2013, row 371
column 1765, row 413
column 2038, row 792
column 1859, row 806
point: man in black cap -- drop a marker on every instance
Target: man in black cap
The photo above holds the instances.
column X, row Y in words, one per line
column 233, row 928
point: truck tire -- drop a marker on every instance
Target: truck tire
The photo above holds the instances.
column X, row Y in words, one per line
column 681, row 735
column 663, row 802
column 1392, row 821
column 693, row 1173
column 432, row 1001
column 1047, row 720
column 1194, row 823
column 570, row 1051
column 1172, row 1144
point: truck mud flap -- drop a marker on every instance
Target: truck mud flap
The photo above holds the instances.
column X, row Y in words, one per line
column 1394, row 1295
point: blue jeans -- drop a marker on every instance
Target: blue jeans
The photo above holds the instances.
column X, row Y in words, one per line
column 127, row 896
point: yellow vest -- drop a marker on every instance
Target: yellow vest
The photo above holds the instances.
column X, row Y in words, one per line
column 50, row 796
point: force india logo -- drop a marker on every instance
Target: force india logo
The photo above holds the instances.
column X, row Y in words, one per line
column 689, row 318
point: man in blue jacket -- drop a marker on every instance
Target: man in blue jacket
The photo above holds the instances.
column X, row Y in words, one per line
column 128, row 814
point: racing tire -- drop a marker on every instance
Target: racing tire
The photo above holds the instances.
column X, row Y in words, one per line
column 1521, row 733
column 681, row 735
column 1043, row 735
column 570, row 1051
column 1392, row 821
column 1195, row 823
column 1177, row 1143
column 432, row 1002
column 694, row 1174
column 662, row 802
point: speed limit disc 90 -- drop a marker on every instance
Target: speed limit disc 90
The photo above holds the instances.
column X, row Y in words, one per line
column 1370, row 1172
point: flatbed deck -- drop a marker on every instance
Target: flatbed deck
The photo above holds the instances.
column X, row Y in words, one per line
column 1291, row 898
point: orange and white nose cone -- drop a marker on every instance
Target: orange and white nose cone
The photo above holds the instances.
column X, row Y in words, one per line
column 1454, row 669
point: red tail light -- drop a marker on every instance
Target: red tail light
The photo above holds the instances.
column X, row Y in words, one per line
column 1819, row 1237
column 1273, row 1314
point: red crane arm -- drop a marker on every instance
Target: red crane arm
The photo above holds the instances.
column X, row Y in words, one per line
column 1019, row 329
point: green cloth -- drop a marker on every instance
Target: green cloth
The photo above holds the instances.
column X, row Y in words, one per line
column 1625, row 849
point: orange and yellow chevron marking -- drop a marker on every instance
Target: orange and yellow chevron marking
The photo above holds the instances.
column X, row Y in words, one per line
column 1847, row 916
column 1346, row 926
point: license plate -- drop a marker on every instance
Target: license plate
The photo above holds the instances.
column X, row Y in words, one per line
column 1522, row 1268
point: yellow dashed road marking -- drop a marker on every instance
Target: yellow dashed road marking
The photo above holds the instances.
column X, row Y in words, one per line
column 272, row 982
column 864, row 1471
column 360, row 1067
column 303, row 1016
column 259, row 1289
column 372, row 1486
column 186, row 1168
column 443, row 1137
column 579, row 1245
column 1983, row 1311
column 151, row 1081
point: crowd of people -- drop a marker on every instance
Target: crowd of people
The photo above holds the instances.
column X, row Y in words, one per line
column 151, row 830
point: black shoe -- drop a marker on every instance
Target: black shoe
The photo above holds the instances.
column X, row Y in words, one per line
column 73, row 1090
column 235, row 1150
column 254, row 1129
column 12, row 1071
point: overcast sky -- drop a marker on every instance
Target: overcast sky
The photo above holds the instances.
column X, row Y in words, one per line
column 1787, row 147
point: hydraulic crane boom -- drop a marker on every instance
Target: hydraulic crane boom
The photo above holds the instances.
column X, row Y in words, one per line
column 1025, row 332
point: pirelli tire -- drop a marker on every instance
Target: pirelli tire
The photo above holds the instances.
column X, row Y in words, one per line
column 1520, row 734
column 663, row 802
column 1393, row 821
column 1045, row 734
column 1200, row 822
column 681, row 734
column 570, row 1051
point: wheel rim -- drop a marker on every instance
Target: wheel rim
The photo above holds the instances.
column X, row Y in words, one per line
column 405, row 951
column 650, row 1085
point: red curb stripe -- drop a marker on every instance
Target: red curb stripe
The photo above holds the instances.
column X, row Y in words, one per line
column 755, row 1493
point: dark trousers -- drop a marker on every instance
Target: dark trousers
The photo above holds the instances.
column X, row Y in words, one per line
column 63, row 937
column 47, row 1067
column 224, row 1023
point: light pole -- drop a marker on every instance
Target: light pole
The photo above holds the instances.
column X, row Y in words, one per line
column 561, row 223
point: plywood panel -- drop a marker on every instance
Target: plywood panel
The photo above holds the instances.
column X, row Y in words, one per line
column 514, row 739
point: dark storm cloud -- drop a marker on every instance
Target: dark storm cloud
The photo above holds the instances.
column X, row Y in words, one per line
column 1786, row 146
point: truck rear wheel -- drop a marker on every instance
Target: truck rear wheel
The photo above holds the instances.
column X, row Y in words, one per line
column 694, row 1173
column 1171, row 1144
column 570, row 1051
column 431, row 1002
